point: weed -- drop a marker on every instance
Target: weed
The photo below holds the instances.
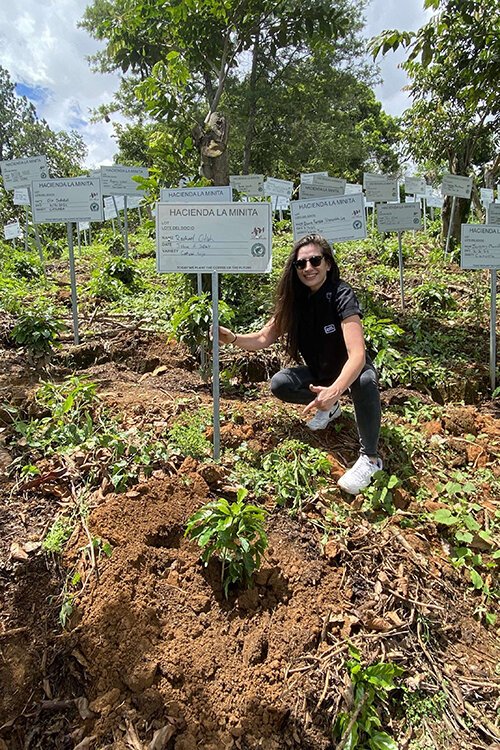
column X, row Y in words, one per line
column 234, row 532
column 360, row 727
column 187, row 435
column 378, row 494
column 292, row 473
column 418, row 705
column 58, row 535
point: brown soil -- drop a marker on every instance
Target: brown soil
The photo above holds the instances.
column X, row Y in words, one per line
column 154, row 657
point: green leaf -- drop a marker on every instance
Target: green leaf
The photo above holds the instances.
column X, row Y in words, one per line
column 382, row 741
column 445, row 517
column 476, row 579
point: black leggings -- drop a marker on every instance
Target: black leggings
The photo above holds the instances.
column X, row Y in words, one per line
column 292, row 385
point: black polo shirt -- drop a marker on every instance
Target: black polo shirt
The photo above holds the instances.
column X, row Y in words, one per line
column 320, row 337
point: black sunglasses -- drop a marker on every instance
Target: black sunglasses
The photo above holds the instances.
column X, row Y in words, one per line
column 314, row 260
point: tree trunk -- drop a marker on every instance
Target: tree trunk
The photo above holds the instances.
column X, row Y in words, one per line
column 211, row 142
column 460, row 216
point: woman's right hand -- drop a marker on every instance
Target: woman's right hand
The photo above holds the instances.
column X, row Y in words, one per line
column 226, row 336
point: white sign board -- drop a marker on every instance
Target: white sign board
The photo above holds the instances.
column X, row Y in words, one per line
column 415, row 185
column 12, row 230
column 493, row 212
column 396, row 217
column 67, row 200
column 273, row 186
column 382, row 191
column 280, row 203
column 353, row 187
column 119, row 180
column 321, row 186
column 250, row 184
column 454, row 185
column 480, row 246
column 18, row 173
column 486, row 196
column 434, row 200
column 83, row 225
column 21, row 197
column 229, row 238
column 222, row 194
column 338, row 219
column 310, row 176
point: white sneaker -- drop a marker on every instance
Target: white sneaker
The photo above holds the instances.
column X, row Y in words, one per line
column 360, row 475
column 322, row 419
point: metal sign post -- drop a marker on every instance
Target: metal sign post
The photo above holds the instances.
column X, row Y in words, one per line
column 401, row 274
column 125, row 224
column 74, row 299
column 215, row 364
column 493, row 328
column 450, row 225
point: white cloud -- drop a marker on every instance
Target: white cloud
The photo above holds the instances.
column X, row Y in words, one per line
column 404, row 15
column 42, row 46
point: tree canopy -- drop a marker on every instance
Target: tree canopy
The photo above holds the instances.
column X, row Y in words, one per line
column 181, row 59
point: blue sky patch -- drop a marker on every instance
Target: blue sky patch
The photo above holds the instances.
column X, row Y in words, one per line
column 36, row 94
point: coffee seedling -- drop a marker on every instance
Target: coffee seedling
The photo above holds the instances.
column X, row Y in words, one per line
column 233, row 532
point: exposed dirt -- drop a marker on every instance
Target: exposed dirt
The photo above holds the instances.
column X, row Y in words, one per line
column 155, row 657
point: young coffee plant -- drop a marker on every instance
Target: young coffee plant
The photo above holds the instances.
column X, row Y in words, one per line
column 434, row 297
column 37, row 330
column 69, row 422
column 360, row 727
column 191, row 322
column 233, row 532
column 122, row 269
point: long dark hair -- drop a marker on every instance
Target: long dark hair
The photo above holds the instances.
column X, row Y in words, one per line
column 291, row 292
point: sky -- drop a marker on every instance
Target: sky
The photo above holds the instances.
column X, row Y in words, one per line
column 46, row 54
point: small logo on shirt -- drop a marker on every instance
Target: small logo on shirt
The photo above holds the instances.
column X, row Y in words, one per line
column 329, row 296
column 330, row 328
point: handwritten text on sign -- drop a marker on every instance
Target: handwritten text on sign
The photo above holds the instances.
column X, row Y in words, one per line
column 250, row 184
column 67, row 200
column 119, row 180
column 455, row 185
column 229, row 238
column 19, row 173
column 480, row 246
column 338, row 219
column 396, row 217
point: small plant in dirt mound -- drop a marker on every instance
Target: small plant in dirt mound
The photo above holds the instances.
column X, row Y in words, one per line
column 191, row 321
column 291, row 474
column 58, row 535
column 233, row 532
column 360, row 726
column 37, row 330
